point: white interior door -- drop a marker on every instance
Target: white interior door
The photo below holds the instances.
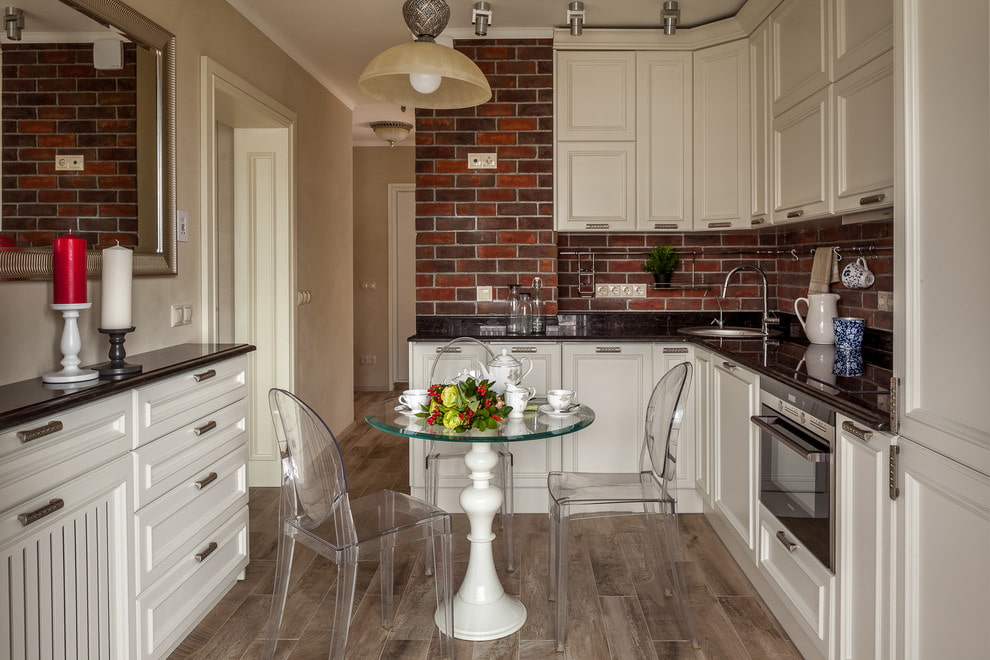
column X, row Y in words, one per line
column 402, row 277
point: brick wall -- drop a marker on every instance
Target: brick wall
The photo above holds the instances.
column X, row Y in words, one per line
column 55, row 102
column 488, row 227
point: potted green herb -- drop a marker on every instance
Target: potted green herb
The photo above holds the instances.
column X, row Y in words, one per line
column 661, row 261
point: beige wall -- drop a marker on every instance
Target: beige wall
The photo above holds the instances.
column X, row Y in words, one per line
column 374, row 169
column 30, row 331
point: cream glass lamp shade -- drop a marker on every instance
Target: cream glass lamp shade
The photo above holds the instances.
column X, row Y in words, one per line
column 391, row 131
column 462, row 84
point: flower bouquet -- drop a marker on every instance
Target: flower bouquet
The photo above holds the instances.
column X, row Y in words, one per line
column 465, row 404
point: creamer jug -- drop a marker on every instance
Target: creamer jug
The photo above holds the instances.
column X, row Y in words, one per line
column 821, row 310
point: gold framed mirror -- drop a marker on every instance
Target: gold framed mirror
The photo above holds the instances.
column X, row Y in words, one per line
column 155, row 238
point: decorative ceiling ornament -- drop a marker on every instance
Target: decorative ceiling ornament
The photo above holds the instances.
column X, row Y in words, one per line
column 422, row 73
column 391, row 131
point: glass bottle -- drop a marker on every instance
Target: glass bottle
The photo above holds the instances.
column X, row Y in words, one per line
column 525, row 313
column 537, row 322
column 513, row 321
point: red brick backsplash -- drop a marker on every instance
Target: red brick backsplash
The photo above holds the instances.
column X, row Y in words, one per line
column 495, row 227
column 55, row 102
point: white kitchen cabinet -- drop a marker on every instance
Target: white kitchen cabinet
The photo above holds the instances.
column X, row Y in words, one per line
column 663, row 142
column 862, row 30
column 615, row 379
column 863, row 513
column 665, row 358
column 801, row 60
column 941, row 545
column 759, row 125
column 736, row 451
column 457, row 358
column 863, row 137
column 703, row 417
column 595, row 186
column 595, row 95
column 802, row 160
column 722, row 137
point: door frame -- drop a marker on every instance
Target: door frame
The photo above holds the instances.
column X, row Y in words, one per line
column 394, row 189
column 227, row 97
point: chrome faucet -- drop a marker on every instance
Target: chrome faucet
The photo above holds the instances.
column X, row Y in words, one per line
column 718, row 300
column 768, row 320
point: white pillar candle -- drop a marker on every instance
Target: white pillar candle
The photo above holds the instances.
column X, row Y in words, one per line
column 116, row 305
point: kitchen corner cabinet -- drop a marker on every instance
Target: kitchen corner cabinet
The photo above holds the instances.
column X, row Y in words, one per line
column 595, row 96
column 801, row 60
column 735, row 393
column 664, row 148
column 802, row 160
column 721, row 137
column 863, row 513
column 863, row 137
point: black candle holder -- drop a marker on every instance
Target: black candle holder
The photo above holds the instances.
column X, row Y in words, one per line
column 117, row 368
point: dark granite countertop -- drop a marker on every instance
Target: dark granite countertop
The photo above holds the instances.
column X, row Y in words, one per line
column 864, row 398
column 29, row 399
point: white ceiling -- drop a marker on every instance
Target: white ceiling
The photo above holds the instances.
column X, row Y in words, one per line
column 49, row 21
column 335, row 39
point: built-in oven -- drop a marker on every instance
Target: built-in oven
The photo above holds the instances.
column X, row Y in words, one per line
column 797, row 471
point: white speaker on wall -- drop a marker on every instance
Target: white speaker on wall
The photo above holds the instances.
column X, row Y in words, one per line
column 108, row 54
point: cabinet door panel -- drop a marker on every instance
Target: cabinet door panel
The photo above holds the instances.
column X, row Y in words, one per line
column 595, row 95
column 802, row 160
column 759, row 120
column 801, row 51
column 596, row 186
column 863, row 30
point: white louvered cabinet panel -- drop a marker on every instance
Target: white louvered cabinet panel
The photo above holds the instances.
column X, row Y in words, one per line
column 67, row 571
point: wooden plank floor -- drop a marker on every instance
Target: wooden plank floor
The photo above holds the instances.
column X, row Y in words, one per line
column 615, row 609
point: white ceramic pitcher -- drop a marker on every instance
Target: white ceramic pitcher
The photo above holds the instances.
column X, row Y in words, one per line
column 821, row 310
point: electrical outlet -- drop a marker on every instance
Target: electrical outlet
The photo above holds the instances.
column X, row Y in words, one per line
column 620, row 290
column 176, row 315
column 65, row 162
column 885, row 301
column 182, row 226
column 369, row 359
column 484, row 294
column 482, row 161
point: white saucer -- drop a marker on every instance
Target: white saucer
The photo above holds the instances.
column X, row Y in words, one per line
column 546, row 409
column 405, row 410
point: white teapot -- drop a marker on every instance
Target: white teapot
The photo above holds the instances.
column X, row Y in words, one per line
column 504, row 370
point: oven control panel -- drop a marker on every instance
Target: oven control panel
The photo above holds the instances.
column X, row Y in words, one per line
column 801, row 409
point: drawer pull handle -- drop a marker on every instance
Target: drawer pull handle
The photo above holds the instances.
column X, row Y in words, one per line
column 206, row 375
column 796, row 214
column 665, row 225
column 670, row 351
column 608, row 349
column 448, row 349
column 872, row 199
column 36, row 515
column 524, row 349
column 757, row 221
column 857, row 432
column 205, row 428
column 791, row 547
column 206, row 553
column 206, row 481
column 33, row 434
column 729, row 365
column 719, row 225
column 596, row 225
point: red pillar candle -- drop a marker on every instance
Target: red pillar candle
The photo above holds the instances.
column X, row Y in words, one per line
column 69, row 270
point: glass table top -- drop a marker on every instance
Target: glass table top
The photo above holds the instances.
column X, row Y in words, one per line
column 533, row 425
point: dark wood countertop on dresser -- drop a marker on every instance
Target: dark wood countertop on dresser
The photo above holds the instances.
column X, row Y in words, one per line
column 29, row 399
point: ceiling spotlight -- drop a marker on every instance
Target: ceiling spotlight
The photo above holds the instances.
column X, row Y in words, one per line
column 13, row 22
column 391, row 131
column 671, row 16
column 481, row 17
column 575, row 18
column 422, row 73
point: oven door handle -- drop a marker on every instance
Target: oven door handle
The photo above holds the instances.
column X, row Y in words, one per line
column 810, row 455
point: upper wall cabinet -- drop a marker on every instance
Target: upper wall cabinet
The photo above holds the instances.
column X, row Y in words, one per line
column 663, row 143
column 595, row 186
column 802, row 160
column 759, row 124
column 863, row 30
column 595, row 95
column 801, row 54
column 721, row 137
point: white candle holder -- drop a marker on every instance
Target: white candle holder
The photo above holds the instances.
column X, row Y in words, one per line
column 70, row 346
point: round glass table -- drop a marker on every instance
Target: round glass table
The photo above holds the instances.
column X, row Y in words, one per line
column 482, row 609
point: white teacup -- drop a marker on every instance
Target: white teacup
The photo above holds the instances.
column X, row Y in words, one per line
column 518, row 397
column 560, row 399
column 414, row 399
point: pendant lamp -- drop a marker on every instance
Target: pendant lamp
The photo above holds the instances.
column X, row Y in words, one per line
column 422, row 73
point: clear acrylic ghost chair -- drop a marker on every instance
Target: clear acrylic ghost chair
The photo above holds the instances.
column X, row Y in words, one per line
column 452, row 451
column 315, row 510
column 650, row 491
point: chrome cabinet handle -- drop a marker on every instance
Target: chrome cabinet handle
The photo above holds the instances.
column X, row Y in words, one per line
column 757, row 221
column 206, row 375
column 665, row 225
column 719, row 225
column 596, row 225
column 872, row 199
column 206, row 481
column 674, row 351
column 608, row 349
column 206, row 553
column 28, row 435
column 448, row 349
column 523, row 349
column 205, row 428
column 856, row 432
column 796, row 214
column 36, row 515
column 791, row 547
column 728, row 365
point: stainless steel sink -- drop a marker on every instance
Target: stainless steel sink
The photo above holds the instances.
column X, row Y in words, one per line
column 727, row 331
